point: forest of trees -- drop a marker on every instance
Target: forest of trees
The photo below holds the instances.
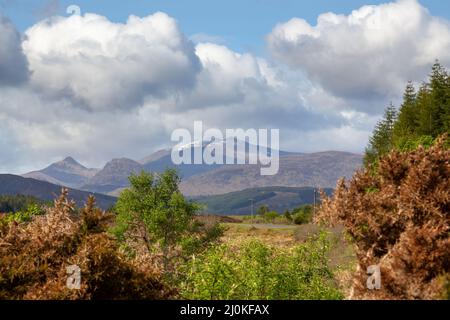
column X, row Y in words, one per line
column 423, row 116
column 16, row 203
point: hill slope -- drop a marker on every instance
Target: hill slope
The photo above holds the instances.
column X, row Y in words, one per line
column 14, row 185
column 317, row 169
column 279, row 199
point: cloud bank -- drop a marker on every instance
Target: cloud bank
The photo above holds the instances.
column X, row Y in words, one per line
column 370, row 53
column 105, row 65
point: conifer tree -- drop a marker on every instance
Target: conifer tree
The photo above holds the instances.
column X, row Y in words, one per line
column 424, row 107
column 440, row 99
column 381, row 141
column 424, row 116
column 406, row 125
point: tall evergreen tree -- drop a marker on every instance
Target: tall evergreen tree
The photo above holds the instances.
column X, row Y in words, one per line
column 407, row 122
column 440, row 99
column 382, row 140
column 424, row 111
column 446, row 106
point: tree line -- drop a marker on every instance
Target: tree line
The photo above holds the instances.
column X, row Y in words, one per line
column 423, row 116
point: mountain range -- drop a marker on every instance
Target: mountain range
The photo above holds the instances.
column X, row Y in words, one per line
column 296, row 170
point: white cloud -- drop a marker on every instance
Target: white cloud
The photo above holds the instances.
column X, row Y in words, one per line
column 224, row 79
column 105, row 65
column 343, row 138
column 368, row 54
column 241, row 90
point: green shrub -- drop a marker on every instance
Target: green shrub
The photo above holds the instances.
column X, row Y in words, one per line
column 271, row 216
column 410, row 144
column 303, row 215
column 154, row 216
column 24, row 216
column 257, row 271
column 262, row 210
column 288, row 216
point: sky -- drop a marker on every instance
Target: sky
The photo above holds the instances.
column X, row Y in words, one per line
column 118, row 79
column 241, row 25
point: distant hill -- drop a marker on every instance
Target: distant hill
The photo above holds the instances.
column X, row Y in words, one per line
column 67, row 172
column 296, row 170
column 276, row 198
column 14, row 185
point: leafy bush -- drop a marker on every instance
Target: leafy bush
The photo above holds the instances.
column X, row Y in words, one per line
column 153, row 215
column 257, row 271
column 24, row 216
column 409, row 144
column 262, row 210
column 34, row 257
column 303, row 215
column 402, row 224
column 271, row 216
column 288, row 216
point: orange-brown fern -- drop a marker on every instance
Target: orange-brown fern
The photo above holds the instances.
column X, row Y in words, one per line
column 34, row 257
column 398, row 215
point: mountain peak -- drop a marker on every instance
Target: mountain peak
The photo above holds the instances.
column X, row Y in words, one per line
column 71, row 160
column 120, row 165
column 68, row 163
column 67, row 172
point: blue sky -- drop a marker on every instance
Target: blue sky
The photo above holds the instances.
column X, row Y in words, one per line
column 240, row 24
